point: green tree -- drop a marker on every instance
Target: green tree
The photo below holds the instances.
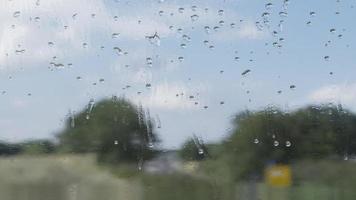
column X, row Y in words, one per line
column 273, row 136
column 193, row 149
column 113, row 128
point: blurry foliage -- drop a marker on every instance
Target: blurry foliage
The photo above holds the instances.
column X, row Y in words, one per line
column 193, row 149
column 272, row 136
column 38, row 147
column 28, row 147
column 114, row 129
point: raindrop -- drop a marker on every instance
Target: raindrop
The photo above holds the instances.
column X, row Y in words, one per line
column 183, row 46
column 326, row 58
column 275, row 143
column 221, row 22
column 116, row 142
column 154, row 39
column 186, row 38
column 149, row 61
column 50, row 44
column 256, row 141
column 72, row 120
column 288, row 144
column 74, row 16
column 118, row 51
column 101, row 80
column 37, row 19
column 181, row 58
column 283, row 14
column 181, row 10
column 115, row 35
column 292, row 86
column 265, row 14
column 268, row 6
column 207, row 29
column 200, row 151
column 232, row 25
column 16, row 14
column 312, row 13
column 245, row 72
column 85, row 45
column 221, row 12
column 20, row 51
column 194, row 18
column 332, row 30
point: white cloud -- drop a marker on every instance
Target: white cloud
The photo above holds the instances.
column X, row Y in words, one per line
column 341, row 93
column 164, row 96
column 246, row 30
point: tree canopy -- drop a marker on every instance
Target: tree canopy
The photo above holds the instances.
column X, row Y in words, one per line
column 273, row 136
column 114, row 128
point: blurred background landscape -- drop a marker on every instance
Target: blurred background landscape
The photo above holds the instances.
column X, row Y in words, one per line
column 177, row 99
column 113, row 152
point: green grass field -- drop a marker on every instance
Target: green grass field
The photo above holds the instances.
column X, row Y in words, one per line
column 78, row 177
column 62, row 177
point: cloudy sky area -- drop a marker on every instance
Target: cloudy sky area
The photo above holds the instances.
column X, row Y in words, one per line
column 56, row 55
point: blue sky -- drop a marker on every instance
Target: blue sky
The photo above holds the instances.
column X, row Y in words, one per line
column 36, row 96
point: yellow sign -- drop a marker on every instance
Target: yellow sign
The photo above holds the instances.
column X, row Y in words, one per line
column 278, row 175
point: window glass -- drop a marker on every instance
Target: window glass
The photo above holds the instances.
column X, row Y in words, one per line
column 168, row 99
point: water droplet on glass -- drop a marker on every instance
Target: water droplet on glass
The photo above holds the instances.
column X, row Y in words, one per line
column 245, row 72
column 16, row 14
column 149, row 61
column 85, row 45
column 221, row 22
column 116, row 142
column 181, row 10
column 220, row 12
column 154, row 39
column 283, row 14
column 275, row 143
column 183, row 46
column 256, row 141
column 288, row 144
column 194, row 18
column 181, row 58
column 200, row 151
column 312, row 13
column 115, row 35
column 268, row 6
column 118, row 51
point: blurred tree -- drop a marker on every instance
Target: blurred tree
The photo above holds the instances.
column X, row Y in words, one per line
column 273, row 136
column 193, row 149
column 114, row 129
column 37, row 147
column 7, row 149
